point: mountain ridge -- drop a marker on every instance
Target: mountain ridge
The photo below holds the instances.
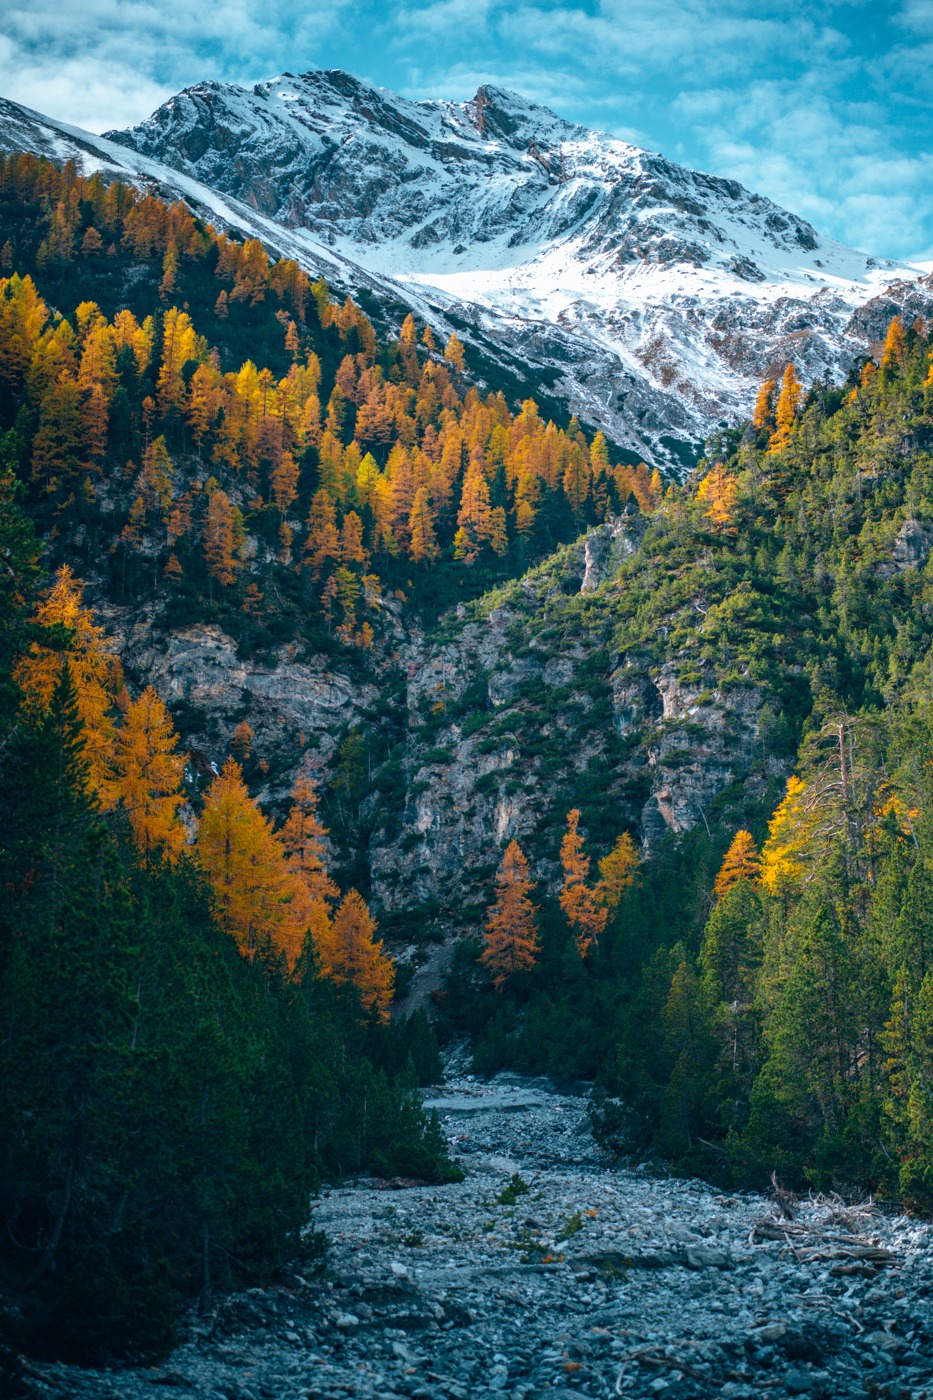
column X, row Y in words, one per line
column 685, row 289
column 587, row 271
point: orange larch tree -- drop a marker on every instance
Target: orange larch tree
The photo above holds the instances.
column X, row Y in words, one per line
column 763, row 416
column 260, row 900
column 453, row 354
column 511, row 938
column 95, row 672
column 741, row 862
column 719, row 492
column 285, row 483
column 303, row 837
column 148, row 775
column 355, row 957
column 223, row 536
column 578, row 900
column 423, row 540
column 617, row 872
column 788, row 406
column 895, row 346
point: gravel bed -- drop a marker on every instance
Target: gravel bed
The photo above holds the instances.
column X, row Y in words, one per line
column 593, row 1281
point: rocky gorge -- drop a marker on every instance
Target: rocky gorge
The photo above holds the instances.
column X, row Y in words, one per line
column 553, row 1271
column 479, row 728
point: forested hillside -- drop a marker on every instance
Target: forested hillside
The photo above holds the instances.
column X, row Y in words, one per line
column 194, row 1014
column 664, row 754
column 214, row 424
column 757, row 996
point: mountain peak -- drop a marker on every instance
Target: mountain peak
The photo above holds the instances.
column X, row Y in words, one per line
column 654, row 299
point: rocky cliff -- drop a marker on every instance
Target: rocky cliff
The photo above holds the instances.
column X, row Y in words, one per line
column 489, row 725
column 528, row 703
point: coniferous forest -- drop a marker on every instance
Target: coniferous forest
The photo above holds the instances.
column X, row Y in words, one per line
column 195, row 995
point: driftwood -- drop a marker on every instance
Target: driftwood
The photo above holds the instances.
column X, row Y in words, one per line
column 656, row 1359
column 836, row 1236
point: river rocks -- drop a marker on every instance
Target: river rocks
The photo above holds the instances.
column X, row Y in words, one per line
column 551, row 1272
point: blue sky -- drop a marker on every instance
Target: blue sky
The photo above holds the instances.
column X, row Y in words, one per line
column 826, row 107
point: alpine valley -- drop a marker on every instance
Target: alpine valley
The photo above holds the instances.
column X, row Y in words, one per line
column 467, row 604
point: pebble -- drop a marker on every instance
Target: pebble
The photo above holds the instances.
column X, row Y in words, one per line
column 597, row 1281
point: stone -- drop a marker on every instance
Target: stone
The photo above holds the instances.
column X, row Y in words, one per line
column 772, row 1332
column 703, row 1256
column 493, row 1320
column 798, row 1382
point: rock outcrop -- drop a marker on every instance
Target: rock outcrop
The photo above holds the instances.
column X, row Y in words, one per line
column 514, row 710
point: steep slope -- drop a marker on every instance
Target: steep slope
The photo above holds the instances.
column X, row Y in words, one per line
column 552, row 363
column 534, row 701
column 658, row 296
column 22, row 129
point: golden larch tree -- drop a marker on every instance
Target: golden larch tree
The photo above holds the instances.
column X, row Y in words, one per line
column 511, row 937
column 285, row 483
column 180, row 344
column 453, row 354
column 719, row 493
column 322, row 543
column 260, row 901
column 474, row 517
column 422, row 539
column 95, row 672
column 741, row 862
column 789, row 403
column 303, row 837
column 784, row 855
column 148, row 775
column 617, row 872
column 578, row 900
column 223, row 536
column 356, row 958
column 895, row 346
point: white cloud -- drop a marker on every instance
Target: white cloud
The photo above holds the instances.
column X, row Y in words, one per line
column 110, row 62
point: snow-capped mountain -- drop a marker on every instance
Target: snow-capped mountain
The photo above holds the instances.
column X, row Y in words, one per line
column 682, row 290
column 650, row 298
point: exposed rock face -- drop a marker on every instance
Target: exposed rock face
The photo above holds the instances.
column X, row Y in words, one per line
column 912, row 546
column 508, row 716
column 298, row 710
column 603, row 552
column 704, row 739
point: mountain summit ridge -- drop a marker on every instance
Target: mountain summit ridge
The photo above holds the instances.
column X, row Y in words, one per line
column 683, row 289
column 600, row 278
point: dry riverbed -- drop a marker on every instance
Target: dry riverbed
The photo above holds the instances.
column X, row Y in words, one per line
column 593, row 1281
